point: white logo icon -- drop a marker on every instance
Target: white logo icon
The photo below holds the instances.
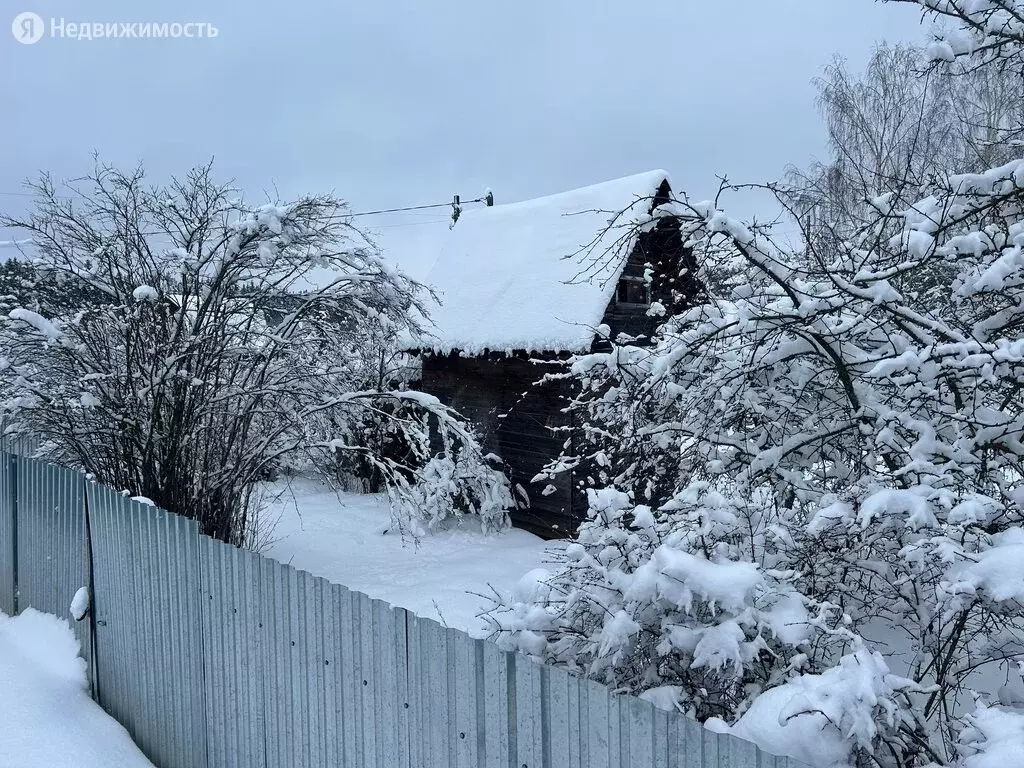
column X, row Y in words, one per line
column 28, row 27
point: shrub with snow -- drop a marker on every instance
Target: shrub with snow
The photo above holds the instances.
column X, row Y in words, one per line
column 642, row 600
column 993, row 738
column 450, row 486
column 806, row 497
column 208, row 343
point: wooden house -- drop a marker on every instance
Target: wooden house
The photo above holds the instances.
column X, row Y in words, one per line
column 524, row 286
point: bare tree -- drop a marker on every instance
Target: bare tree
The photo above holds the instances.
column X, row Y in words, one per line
column 221, row 337
column 888, row 128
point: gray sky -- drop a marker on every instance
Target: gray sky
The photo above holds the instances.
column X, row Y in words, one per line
column 410, row 101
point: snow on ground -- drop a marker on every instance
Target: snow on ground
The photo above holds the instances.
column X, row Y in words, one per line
column 340, row 537
column 46, row 717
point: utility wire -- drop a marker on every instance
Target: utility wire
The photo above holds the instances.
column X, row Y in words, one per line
column 414, row 208
column 357, row 213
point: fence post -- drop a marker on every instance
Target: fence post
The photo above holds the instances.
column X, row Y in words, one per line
column 94, row 682
column 12, row 474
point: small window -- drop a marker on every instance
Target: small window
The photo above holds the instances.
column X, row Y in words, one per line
column 633, row 290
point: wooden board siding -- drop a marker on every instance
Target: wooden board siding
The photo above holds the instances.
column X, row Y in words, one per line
column 673, row 280
column 515, row 420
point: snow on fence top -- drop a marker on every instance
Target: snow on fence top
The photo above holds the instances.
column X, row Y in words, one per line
column 536, row 275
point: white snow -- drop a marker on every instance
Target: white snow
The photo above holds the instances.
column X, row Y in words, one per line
column 37, row 321
column 47, row 717
column 444, row 576
column 145, row 293
column 536, row 275
column 677, row 576
column 998, row 573
column 998, row 735
column 80, row 604
column 15, row 243
column 820, row 719
column 808, row 738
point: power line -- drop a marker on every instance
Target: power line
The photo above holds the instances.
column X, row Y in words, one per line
column 456, row 204
column 415, row 208
column 357, row 213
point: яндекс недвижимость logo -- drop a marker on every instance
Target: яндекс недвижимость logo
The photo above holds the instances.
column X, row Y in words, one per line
column 28, row 27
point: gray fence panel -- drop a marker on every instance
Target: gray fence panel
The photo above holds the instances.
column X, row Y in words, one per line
column 595, row 703
column 272, row 670
column 213, row 656
column 467, row 727
column 563, row 719
column 363, row 621
column 688, row 746
column 380, row 693
column 51, row 543
column 735, row 752
column 398, row 663
column 112, row 577
column 662, row 729
column 310, row 649
column 185, row 635
column 148, row 624
column 638, row 725
column 146, row 728
column 364, row 639
column 232, row 633
column 415, row 668
column 348, row 677
column 422, row 747
column 529, row 713
column 496, row 710
column 428, row 643
column 352, row 695
column 296, row 666
column 389, row 631
column 8, row 490
column 283, row 740
column 333, row 713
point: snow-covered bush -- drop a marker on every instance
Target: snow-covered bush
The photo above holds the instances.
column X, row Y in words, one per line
column 440, row 472
column 983, row 33
column 845, row 447
column 993, row 738
column 643, row 600
column 371, row 435
column 207, row 342
column 821, row 718
column 452, row 485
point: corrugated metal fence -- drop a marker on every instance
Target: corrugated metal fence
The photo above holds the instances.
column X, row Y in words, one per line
column 214, row 656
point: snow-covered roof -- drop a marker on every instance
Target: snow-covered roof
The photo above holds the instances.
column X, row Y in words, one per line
column 539, row 274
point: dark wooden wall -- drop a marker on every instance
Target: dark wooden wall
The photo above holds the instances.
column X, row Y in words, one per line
column 674, row 281
column 496, row 392
column 515, row 419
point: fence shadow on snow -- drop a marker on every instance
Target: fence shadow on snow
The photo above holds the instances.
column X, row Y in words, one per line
column 213, row 656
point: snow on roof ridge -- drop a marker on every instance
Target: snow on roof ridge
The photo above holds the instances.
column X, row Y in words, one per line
column 578, row 191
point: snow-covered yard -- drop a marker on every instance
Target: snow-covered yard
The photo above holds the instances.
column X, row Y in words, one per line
column 46, row 717
column 444, row 576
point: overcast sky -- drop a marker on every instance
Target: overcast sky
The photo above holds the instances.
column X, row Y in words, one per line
column 407, row 102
